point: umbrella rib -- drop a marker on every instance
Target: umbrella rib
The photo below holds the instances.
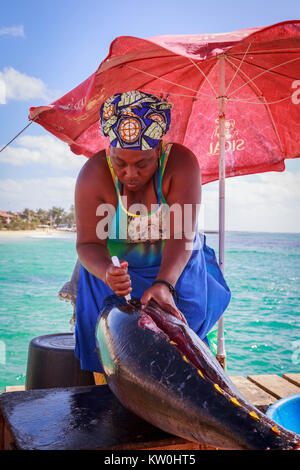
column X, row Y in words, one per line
column 260, row 97
column 170, row 92
column 205, row 76
column 274, row 126
column 233, row 66
column 278, row 74
column 267, row 51
column 262, row 73
column 131, row 60
column 179, row 94
column 266, row 104
column 240, row 64
column 164, row 91
column 201, row 85
column 239, row 100
column 167, row 81
column 169, row 71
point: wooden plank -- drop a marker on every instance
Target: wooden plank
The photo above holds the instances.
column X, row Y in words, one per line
column 274, row 384
column 294, row 378
column 254, row 394
column 15, row 388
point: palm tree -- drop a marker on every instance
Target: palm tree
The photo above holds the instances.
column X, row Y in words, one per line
column 69, row 218
column 43, row 216
column 57, row 214
column 28, row 214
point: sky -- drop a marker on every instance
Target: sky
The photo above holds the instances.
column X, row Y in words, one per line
column 48, row 48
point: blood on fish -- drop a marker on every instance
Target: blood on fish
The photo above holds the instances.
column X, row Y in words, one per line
column 174, row 333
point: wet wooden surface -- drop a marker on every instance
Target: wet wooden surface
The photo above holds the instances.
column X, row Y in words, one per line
column 258, row 397
column 92, row 418
column 275, row 385
column 293, row 378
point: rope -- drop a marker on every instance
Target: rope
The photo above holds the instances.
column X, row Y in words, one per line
column 16, row 136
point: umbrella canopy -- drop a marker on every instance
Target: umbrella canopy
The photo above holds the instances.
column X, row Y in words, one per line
column 236, row 101
column 261, row 90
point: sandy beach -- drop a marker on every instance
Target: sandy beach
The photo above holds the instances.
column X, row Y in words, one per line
column 48, row 233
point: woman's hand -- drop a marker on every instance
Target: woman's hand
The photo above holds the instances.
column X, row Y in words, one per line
column 118, row 279
column 161, row 294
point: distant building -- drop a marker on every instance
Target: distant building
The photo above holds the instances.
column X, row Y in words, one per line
column 66, row 227
column 6, row 217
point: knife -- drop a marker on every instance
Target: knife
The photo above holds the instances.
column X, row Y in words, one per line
column 116, row 262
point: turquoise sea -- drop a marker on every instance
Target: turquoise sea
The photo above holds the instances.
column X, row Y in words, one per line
column 261, row 322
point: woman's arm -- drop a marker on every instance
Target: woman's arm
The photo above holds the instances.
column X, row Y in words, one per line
column 94, row 187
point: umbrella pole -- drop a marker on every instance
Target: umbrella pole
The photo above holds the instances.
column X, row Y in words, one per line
column 221, row 354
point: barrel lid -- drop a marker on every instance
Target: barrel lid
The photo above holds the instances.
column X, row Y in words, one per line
column 62, row 341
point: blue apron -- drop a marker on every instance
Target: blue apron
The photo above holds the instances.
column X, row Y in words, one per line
column 202, row 289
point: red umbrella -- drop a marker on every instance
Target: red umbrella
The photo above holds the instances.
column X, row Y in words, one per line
column 236, row 99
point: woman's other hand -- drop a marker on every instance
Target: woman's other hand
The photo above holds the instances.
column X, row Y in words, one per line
column 161, row 294
column 118, row 279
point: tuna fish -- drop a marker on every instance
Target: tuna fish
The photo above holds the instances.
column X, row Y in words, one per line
column 160, row 370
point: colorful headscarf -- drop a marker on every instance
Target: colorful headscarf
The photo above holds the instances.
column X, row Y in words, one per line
column 135, row 120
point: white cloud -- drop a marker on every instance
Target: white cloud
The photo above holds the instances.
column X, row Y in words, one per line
column 21, row 87
column 16, row 195
column 264, row 202
column 2, row 92
column 12, row 31
column 43, row 150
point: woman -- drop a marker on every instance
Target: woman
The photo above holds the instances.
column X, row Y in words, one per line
column 140, row 201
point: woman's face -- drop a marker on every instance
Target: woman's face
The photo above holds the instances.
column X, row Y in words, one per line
column 134, row 168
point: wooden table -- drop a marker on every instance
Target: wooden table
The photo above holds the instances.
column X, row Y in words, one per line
column 92, row 418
